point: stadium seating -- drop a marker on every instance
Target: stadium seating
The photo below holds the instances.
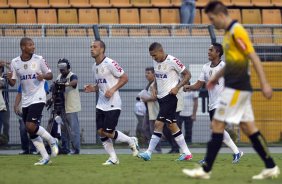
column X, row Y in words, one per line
column 262, row 36
column 88, row 16
column 263, row 3
column 242, row 3
column 33, row 32
column 121, row 3
column 202, row 3
column 150, row 16
column 18, row 3
column 4, row 4
column 108, row 16
column 119, row 32
column 67, row 16
column 170, row 16
column 76, row 32
column 141, row 3
column 100, row 3
column 176, row 3
column 138, row 32
column 278, row 36
column 235, row 14
column 198, row 17
column 277, row 3
column 129, row 16
column 159, row 32
column 251, row 16
column 80, row 3
column 47, row 16
column 26, row 16
column 38, row 3
column 160, row 3
column 7, row 16
column 271, row 16
column 59, row 3
column 14, row 32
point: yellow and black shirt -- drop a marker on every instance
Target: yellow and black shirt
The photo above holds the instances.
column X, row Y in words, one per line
column 237, row 46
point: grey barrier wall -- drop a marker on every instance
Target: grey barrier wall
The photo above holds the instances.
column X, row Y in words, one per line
column 132, row 54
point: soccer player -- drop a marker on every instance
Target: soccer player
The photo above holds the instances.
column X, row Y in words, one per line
column 235, row 100
column 32, row 70
column 209, row 69
column 110, row 77
column 168, row 71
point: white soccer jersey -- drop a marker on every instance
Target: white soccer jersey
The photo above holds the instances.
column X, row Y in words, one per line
column 206, row 74
column 106, row 75
column 26, row 71
column 167, row 74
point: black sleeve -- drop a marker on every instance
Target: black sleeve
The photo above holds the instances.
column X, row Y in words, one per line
column 73, row 77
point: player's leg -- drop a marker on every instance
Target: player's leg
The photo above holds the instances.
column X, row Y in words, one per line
column 260, row 145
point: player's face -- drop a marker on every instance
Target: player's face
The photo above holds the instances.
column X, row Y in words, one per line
column 216, row 20
column 29, row 47
column 149, row 75
column 64, row 71
column 157, row 55
column 96, row 49
column 212, row 54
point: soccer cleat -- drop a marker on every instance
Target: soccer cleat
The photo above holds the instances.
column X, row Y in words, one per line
column 237, row 157
column 54, row 148
column 145, row 156
column 43, row 162
column 198, row 173
column 268, row 173
column 184, row 156
column 111, row 162
column 134, row 147
column 202, row 162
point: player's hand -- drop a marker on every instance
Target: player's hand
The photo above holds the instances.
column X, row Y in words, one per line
column 174, row 91
column 88, row 88
column 9, row 75
column 154, row 93
column 211, row 83
column 40, row 76
column 109, row 93
column 193, row 117
column 267, row 91
column 186, row 88
column 16, row 110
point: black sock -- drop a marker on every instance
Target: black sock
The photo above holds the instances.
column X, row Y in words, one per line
column 213, row 148
column 260, row 146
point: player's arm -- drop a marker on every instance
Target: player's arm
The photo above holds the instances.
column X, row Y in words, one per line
column 11, row 76
column 89, row 88
column 186, row 76
column 73, row 81
column 123, row 79
column 195, row 108
column 17, row 103
column 194, row 87
column 214, row 80
column 46, row 71
column 266, row 88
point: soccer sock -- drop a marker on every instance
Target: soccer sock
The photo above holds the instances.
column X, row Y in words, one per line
column 259, row 144
column 38, row 143
column 229, row 142
column 213, row 148
column 45, row 135
column 155, row 139
column 179, row 139
column 109, row 147
column 121, row 137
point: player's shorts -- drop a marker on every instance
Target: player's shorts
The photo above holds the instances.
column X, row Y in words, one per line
column 234, row 107
column 107, row 120
column 33, row 113
column 168, row 106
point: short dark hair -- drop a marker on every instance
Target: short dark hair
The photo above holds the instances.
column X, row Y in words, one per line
column 218, row 48
column 150, row 68
column 216, row 7
column 102, row 44
column 155, row 46
column 24, row 40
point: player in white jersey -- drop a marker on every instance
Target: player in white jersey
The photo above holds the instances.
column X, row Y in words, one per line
column 210, row 69
column 168, row 71
column 110, row 77
column 32, row 70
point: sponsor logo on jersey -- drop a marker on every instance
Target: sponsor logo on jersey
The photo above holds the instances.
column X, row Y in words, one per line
column 178, row 63
column 161, row 76
column 28, row 76
column 101, row 81
column 117, row 66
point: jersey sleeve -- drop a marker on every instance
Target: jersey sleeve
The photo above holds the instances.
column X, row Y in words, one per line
column 202, row 75
column 14, row 76
column 242, row 40
column 20, row 89
column 44, row 66
column 115, row 69
column 177, row 65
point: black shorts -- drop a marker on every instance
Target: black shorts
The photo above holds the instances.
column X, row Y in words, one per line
column 33, row 113
column 107, row 120
column 168, row 106
column 211, row 112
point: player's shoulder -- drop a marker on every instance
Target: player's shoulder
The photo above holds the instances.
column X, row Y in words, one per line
column 221, row 64
column 237, row 28
column 16, row 60
column 108, row 61
column 207, row 66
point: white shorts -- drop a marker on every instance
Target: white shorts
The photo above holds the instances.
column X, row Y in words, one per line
column 234, row 107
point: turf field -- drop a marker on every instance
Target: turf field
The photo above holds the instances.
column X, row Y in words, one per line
column 160, row 170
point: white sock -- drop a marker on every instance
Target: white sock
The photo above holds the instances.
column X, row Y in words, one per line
column 229, row 142
column 109, row 147
column 38, row 143
column 121, row 137
column 182, row 144
column 45, row 135
column 155, row 139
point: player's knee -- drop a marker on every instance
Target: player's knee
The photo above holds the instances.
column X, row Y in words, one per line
column 217, row 126
column 159, row 126
column 248, row 128
column 31, row 128
column 100, row 132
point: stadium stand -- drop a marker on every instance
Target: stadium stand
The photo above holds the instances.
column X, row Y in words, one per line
column 150, row 16
column 277, row 3
column 26, row 16
column 80, row 3
column 108, row 16
column 4, row 4
column 67, row 16
column 261, row 3
column 59, row 3
column 100, row 3
column 251, row 16
column 88, row 16
column 170, row 16
column 138, row 32
column 47, row 16
column 38, row 3
column 129, row 16
column 7, row 16
column 18, row 3
column 176, row 3
column 160, row 3
column 271, row 16
column 141, row 3
column 121, row 3
column 235, row 14
column 243, row 3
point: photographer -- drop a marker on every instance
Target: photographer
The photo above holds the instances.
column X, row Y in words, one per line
column 4, row 105
column 72, row 105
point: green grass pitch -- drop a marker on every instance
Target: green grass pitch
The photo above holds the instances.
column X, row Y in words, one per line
column 162, row 169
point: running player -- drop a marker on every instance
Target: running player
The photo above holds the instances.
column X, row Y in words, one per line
column 235, row 100
column 209, row 70
column 32, row 71
column 109, row 78
column 168, row 71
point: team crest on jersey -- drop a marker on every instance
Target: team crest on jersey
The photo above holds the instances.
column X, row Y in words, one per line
column 102, row 70
column 210, row 72
column 33, row 66
column 25, row 66
column 221, row 111
column 165, row 67
column 159, row 67
column 97, row 70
